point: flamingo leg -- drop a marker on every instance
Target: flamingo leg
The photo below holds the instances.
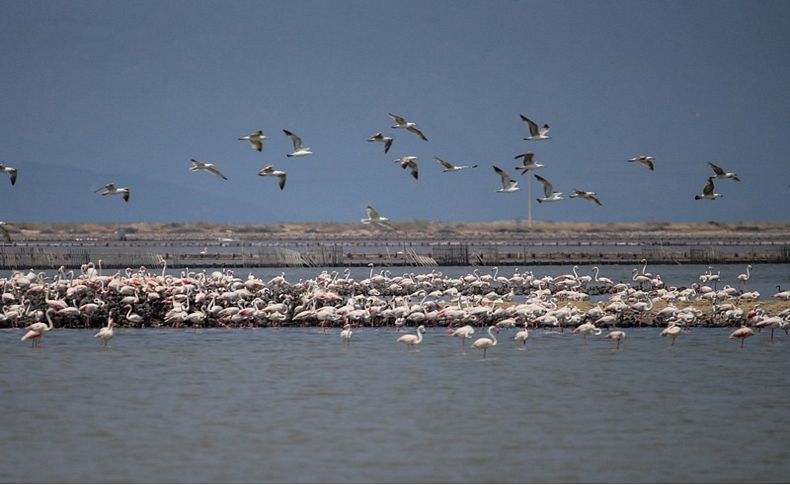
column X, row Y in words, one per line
column 772, row 334
column 742, row 340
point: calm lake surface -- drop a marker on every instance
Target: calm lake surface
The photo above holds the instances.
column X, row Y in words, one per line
column 296, row 405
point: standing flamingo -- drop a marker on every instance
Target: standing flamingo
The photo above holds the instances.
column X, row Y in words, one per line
column 742, row 333
column 673, row 330
column 464, row 333
column 522, row 335
column 744, row 277
column 133, row 317
column 486, row 343
column 105, row 333
column 36, row 330
column 617, row 336
column 587, row 329
column 345, row 334
column 412, row 340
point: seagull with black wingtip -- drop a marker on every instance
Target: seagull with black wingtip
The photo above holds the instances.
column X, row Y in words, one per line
column 535, row 133
column 255, row 139
column 11, row 171
column 400, row 122
column 449, row 167
column 299, row 149
column 409, row 162
column 548, row 190
column 508, row 184
column 707, row 192
column 269, row 171
column 386, row 140
column 721, row 174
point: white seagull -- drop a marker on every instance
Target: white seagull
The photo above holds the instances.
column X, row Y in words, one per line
column 255, row 139
column 400, row 122
column 548, row 190
column 270, row 171
column 11, row 171
column 535, row 133
column 449, row 167
column 208, row 167
column 374, row 218
column 409, row 162
column 386, row 140
column 111, row 189
column 645, row 160
column 591, row 196
column 707, row 191
column 528, row 163
column 299, row 149
column 721, row 174
column 508, row 184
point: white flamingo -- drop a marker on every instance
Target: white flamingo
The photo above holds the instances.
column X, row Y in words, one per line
column 744, row 277
column 463, row 333
column 36, row 330
column 617, row 336
column 133, row 317
column 486, row 343
column 587, row 329
column 522, row 335
column 673, row 331
column 412, row 340
column 106, row 333
column 742, row 333
column 345, row 334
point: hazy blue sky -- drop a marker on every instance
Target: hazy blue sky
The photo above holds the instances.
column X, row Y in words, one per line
column 129, row 91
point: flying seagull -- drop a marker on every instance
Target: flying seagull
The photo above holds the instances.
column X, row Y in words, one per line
column 255, row 139
column 548, row 190
column 375, row 218
column 535, row 133
column 11, row 171
column 528, row 163
column 387, row 140
column 508, row 184
column 270, row 171
column 5, row 231
column 645, row 160
column 591, row 196
column 721, row 174
column 208, row 167
column 111, row 189
column 449, row 167
column 400, row 122
column 299, row 149
column 707, row 191
column 409, row 162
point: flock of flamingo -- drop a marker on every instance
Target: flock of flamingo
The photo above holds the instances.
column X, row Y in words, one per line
column 141, row 298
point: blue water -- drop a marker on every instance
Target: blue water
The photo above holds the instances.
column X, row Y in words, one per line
column 296, row 405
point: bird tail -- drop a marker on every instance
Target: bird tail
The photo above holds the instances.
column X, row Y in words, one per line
column 539, row 201
column 697, row 197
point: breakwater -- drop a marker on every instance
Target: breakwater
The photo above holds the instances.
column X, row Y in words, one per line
column 251, row 251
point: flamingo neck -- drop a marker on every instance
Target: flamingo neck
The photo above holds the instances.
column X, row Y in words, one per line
column 491, row 334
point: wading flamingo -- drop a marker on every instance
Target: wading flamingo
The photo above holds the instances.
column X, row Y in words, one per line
column 486, row 343
column 412, row 340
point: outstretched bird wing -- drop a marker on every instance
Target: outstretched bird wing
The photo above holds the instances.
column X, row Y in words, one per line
column 445, row 164
column 716, row 169
column 533, row 127
column 298, row 145
column 548, row 189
